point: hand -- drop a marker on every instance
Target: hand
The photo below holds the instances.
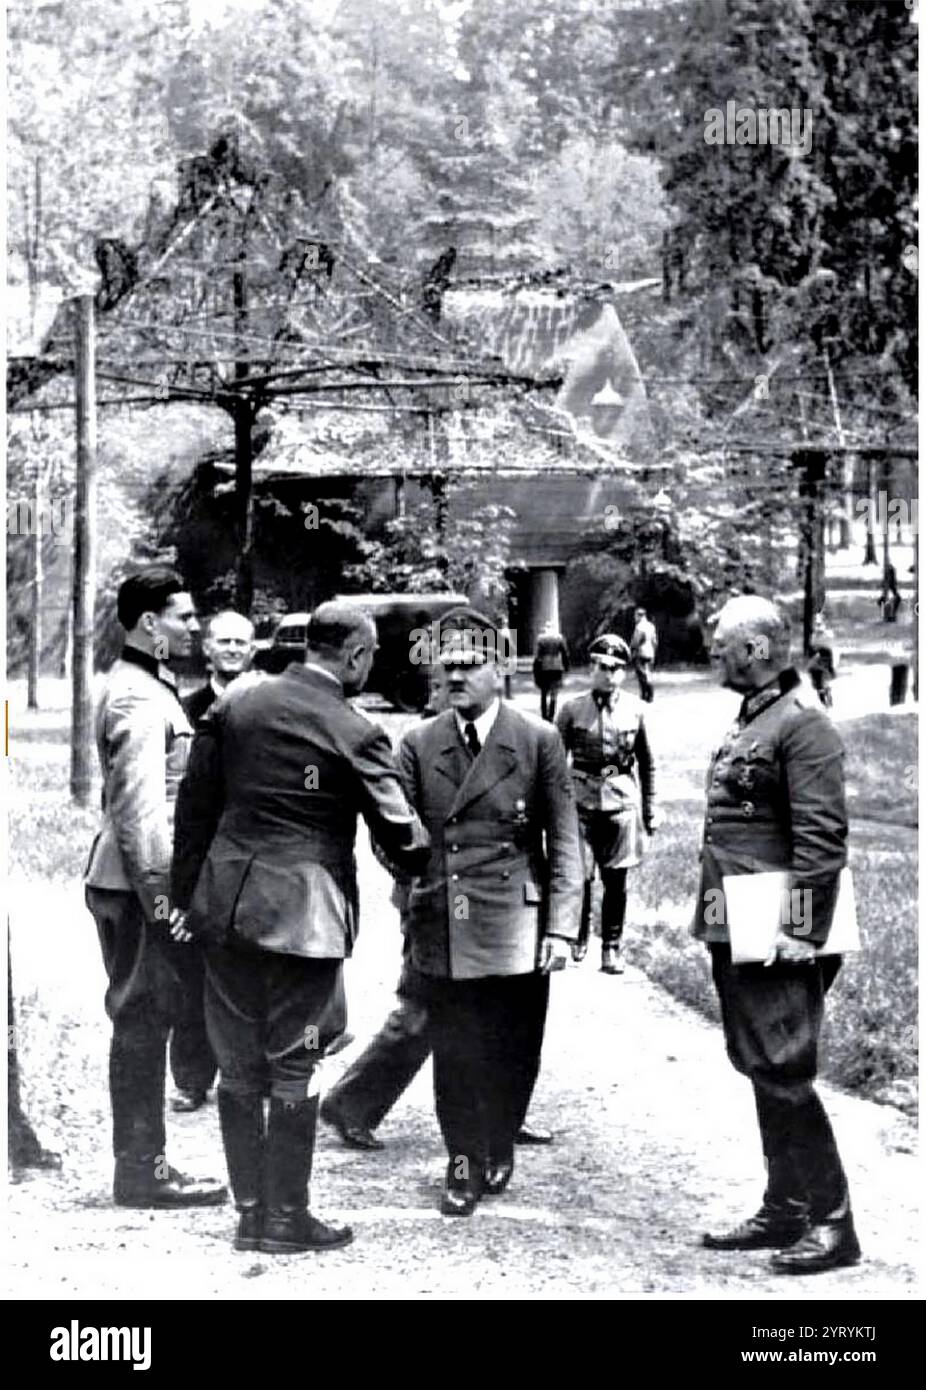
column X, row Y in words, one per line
column 176, row 927
column 554, row 952
column 791, row 951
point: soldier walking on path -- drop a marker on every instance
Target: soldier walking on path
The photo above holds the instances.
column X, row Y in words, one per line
column 612, row 769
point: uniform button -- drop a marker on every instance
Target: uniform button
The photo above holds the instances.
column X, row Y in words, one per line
column 453, row 820
column 506, row 874
column 707, row 839
column 710, row 820
column 454, row 849
column 454, row 877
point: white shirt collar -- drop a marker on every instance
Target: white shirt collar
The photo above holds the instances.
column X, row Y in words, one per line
column 217, row 690
column 322, row 671
column 483, row 723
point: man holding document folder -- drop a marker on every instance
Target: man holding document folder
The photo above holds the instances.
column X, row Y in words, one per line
column 773, row 855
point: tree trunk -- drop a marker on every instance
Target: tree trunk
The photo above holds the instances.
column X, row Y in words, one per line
column 84, row 594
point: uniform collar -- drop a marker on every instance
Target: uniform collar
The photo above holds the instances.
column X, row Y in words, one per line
column 136, row 657
column 759, row 700
column 483, row 724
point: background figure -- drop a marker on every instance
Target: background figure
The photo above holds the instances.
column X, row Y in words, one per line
column 776, row 801
column 509, row 654
column 889, row 600
column 823, row 661
column 143, row 738
column 551, row 662
column 264, row 861
column 495, row 908
column 228, row 646
column 612, row 770
column 643, row 645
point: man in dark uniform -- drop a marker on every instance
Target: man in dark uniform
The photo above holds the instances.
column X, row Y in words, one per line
column 228, row 646
column 495, row 909
column 776, row 801
column 551, row 662
column 279, row 773
column 612, row 769
column 143, row 739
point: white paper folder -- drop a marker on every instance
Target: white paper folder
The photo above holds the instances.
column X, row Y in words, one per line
column 756, row 904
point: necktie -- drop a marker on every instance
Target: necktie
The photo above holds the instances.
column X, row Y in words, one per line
column 603, row 701
column 472, row 739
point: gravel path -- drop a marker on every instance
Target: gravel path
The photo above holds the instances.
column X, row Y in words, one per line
column 655, row 1140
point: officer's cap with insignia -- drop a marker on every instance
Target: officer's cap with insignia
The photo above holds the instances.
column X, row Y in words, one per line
column 467, row 637
column 609, row 651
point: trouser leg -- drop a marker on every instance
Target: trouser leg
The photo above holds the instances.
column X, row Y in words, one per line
column 460, row 1063
column 613, row 905
column 772, row 1018
column 141, row 1000
column 371, row 1086
column 192, row 1062
column 514, row 1020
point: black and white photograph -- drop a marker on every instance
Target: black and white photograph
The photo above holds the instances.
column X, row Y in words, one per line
column 461, row 715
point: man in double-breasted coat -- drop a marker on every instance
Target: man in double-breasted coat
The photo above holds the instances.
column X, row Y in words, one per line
column 776, row 802
column 495, row 909
column 264, row 866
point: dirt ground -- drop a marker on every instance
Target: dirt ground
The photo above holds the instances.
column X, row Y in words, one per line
column 655, row 1141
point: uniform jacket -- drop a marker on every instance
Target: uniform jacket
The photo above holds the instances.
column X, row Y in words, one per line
column 551, row 656
column 267, row 816
column 199, row 702
column 143, row 739
column 776, row 800
column 612, row 763
column 505, row 862
column 644, row 641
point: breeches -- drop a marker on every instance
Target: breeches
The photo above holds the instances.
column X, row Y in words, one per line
column 143, row 999
column 771, row 1018
column 487, row 1035
column 270, row 1017
column 191, row 1061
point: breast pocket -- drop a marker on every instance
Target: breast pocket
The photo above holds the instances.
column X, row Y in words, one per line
column 754, row 771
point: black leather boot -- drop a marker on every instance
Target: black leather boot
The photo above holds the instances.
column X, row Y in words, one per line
column 772, row 1228
column 828, row 1242
column 289, row 1227
column 242, row 1122
column 580, row 945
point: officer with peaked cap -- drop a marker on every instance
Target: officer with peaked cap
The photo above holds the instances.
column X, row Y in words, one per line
column 496, row 907
column 612, row 770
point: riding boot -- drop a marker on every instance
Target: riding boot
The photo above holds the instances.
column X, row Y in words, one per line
column 242, row 1122
column 289, row 1227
